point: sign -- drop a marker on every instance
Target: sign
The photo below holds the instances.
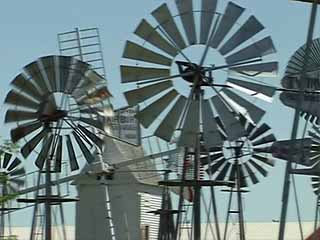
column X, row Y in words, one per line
column 125, row 126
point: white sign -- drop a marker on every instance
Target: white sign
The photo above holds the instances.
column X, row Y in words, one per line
column 126, row 126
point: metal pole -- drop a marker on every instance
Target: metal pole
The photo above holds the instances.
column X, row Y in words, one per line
column 2, row 215
column 286, row 185
column 317, row 216
column 197, row 187
column 239, row 199
column 79, row 44
column 48, row 194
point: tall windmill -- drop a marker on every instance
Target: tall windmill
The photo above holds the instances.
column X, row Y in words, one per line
column 180, row 94
column 295, row 78
column 55, row 105
column 10, row 171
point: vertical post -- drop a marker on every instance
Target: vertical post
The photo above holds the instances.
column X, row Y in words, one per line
column 316, row 215
column 294, row 133
column 48, row 232
column 197, row 187
column 239, row 198
column 79, row 44
column 2, row 216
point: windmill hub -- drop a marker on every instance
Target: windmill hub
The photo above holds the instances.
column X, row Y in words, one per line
column 240, row 150
column 192, row 73
column 54, row 116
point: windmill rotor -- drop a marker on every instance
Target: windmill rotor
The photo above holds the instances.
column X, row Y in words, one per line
column 252, row 153
column 53, row 106
column 10, row 174
column 314, row 170
column 176, row 87
column 308, row 83
column 11, row 180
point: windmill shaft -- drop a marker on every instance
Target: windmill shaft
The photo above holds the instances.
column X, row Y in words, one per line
column 197, row 187
column 286, row 186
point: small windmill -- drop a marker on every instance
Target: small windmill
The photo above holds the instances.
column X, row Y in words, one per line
column 56, row 104
column 179, row 94
column 10, row 182
column 240, row 160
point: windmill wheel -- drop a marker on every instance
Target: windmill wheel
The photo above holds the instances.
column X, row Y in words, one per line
column 310, row 82
column 315, row 158
column 56, row 104
column 177, row 76
column 252, row 153
column 315, row 182
column 10, row 171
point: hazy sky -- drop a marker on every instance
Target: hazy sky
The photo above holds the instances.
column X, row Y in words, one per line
column 29, row 30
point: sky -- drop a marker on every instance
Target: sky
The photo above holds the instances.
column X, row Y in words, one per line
column 29, row 30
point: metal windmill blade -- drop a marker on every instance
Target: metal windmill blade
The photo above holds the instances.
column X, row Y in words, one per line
column 172, row 85
column 11, row 173
column 315, row 183
column 252, row 153
column 297, row 150
column 58, row 106
column 296, row 78
column 306, row 152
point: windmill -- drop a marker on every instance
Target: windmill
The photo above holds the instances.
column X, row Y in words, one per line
column 56, row 105
column 180, row 94
column 300, row 76
column 294, row 81
column 10, row 171
column 240, row 160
